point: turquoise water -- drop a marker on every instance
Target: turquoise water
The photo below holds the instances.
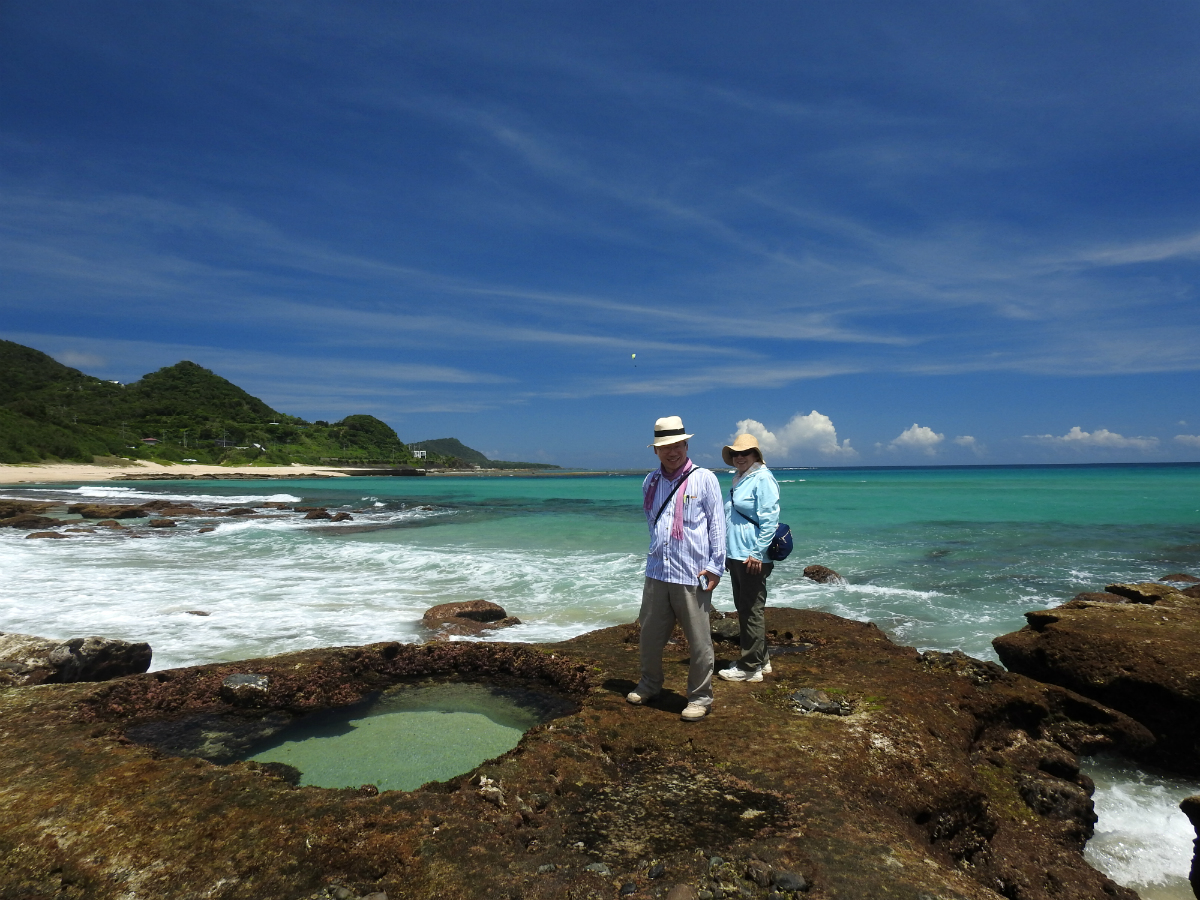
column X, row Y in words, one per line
column 404, row 739
column 939, row 558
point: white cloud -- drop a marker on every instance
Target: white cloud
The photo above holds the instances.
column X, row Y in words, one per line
column 814, row 433
column 918, row 437
column 77, row 359
column 1191, row 440
column 1101, row 438
column 969, row 443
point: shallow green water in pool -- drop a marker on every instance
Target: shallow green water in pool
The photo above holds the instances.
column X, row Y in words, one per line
column 408, row 736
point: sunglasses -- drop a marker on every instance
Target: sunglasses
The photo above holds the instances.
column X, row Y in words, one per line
column 742, row 453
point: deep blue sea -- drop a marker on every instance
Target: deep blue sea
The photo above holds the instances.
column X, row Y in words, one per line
column 943, row 558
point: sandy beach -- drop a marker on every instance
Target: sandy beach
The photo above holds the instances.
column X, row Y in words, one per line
column 56, row 473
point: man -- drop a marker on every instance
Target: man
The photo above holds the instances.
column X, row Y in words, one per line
column 684, row 511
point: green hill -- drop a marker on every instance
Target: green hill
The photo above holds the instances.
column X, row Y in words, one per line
column 50, row 412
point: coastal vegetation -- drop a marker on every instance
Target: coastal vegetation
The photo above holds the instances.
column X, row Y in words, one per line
column 51, row 412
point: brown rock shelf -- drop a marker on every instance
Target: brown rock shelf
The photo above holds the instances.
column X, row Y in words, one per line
column 1135, row 648
column 948, row 778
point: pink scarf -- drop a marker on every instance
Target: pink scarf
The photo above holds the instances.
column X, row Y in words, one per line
column 652, row 488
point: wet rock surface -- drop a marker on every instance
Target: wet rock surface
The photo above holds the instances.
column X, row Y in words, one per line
column 466, row 618
column 1140, row 655
column 823, row 575
column 27, row 660
column 948, row 781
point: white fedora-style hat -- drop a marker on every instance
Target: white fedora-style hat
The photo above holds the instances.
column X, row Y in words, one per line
column 669, row 430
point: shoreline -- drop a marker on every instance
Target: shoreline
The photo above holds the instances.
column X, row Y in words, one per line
column 65, row 473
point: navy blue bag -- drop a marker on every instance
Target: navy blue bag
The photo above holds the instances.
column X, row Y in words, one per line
column 781, row 544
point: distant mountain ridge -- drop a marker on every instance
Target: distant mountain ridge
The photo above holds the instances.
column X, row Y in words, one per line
column 454, row 448
column 50, row 411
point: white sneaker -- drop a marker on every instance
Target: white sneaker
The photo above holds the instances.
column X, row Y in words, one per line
column 735, row 673
column 639, row 699
column 766, row 669
column 693, row 712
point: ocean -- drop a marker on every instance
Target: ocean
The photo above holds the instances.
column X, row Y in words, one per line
column 940, row 558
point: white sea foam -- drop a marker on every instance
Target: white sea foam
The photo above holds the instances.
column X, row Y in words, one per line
column 270, row 585
column 1143, row 841
column 124, row 494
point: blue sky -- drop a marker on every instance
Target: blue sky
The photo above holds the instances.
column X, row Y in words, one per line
column 872, row 233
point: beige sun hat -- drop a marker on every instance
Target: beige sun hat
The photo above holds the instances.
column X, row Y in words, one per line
column 741, row 442
column 669, row 430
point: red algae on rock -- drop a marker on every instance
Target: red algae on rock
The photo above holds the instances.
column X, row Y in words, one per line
column 950, row 778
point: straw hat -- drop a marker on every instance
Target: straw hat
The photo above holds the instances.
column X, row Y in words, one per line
column 669, row 430
column 741, row 442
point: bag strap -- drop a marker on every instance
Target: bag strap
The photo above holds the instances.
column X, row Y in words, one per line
column 682, row 479
column 753, row 522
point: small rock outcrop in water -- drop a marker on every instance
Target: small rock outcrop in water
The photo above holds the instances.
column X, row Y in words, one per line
column 467, row 618
column 1191, row 809
column 948, row 779
column 25, row 659
column 823, row 575
column 1139, row 654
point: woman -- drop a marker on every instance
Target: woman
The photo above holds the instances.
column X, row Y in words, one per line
column 751, row 517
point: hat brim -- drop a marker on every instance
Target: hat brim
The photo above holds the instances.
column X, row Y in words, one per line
column 727, row 454
column 671, row 439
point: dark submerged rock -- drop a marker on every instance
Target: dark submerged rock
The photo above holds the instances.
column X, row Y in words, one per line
column 917, row 792
column 29, row 520
column 34, row 535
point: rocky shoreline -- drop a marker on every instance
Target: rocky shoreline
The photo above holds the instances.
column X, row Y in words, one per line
column 936, row 776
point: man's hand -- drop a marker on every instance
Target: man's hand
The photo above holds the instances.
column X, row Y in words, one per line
column 713, row 580
column 753, row 566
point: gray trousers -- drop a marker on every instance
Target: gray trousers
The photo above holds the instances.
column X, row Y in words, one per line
column 663, row 604
column 750, row 600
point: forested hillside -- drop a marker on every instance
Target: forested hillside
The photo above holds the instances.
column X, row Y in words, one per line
column 183, row 412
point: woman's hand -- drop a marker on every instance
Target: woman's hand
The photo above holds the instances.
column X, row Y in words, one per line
column 753, row 566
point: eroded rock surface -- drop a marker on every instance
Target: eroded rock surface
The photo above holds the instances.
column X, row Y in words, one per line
column 26, row 659
column 465, row 618
column 950, row 779
column 1140, row 655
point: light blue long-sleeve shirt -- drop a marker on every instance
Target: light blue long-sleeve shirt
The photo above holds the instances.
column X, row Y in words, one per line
column 756, row 495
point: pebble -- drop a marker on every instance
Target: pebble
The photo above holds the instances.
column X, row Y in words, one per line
column 628, row 888
column 547, row 869
column 599, row 868
column 789, row 881
column 658, row 870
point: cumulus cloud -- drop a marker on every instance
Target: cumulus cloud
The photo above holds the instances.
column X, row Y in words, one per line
column 1190, row 440
column 969, row 443
column 918, row 437
column 1101, row 438
column 813, row 433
